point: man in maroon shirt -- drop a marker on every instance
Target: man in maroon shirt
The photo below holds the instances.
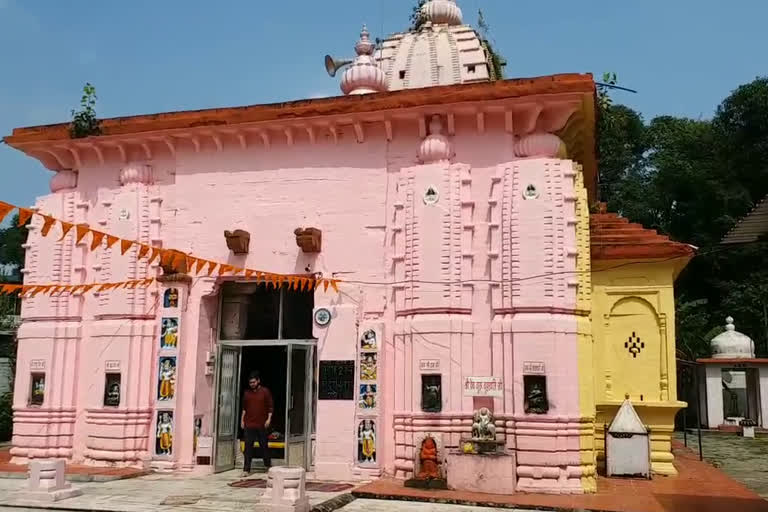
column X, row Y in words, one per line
column 255, row 420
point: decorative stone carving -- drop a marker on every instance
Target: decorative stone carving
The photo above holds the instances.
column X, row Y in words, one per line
column 364, row 76
column 442, row 12
column 238, row 241
column 544, row 145
column 483, row 427
column 136, row 173
column 436, row 147
column 63, row 180
column 310, row 239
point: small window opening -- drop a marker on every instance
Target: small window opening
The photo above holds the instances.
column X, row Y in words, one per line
column 535, row 391
column 402, row 74
column 471, row 68
column 431, row 393
column 37, row 390
column 112, row 390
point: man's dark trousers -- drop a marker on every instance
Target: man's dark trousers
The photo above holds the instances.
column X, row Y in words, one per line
column 252, row 435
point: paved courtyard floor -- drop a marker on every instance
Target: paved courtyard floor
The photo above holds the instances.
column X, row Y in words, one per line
column 745, row 460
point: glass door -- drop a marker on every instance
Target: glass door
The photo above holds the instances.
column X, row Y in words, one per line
column 300, row 405
column 227, row 407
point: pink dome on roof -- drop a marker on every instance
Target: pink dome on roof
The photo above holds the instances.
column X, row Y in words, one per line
column 442, row 12
column 364, row 76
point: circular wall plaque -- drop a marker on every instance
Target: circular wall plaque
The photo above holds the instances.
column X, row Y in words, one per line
column 531, row 192
column 322, row 317
column 431, row 195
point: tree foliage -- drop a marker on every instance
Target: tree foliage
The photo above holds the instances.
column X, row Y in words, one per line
column 417, row 17
column 693, row 179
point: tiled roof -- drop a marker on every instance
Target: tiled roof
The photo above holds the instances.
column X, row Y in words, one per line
column 750, row 228
column 613, row 237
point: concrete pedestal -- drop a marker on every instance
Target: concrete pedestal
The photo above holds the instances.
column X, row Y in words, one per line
column 46, row 482
column 488, row 473
column 286, row 490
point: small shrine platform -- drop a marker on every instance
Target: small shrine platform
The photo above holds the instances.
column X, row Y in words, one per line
column 699, row 487
column 74, row 473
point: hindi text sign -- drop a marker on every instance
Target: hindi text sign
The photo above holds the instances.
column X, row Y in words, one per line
column 484, row 386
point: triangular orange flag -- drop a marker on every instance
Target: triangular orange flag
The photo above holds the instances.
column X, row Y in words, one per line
column 191, row 260
column 81, row 230
column 47, row 225
column 325, row 285
column 148, row 281
column 130, row 285
column 211, row 267
column 88, row 288
column 179, row 261
column 125, row 245
column 104, row 287
column 166, row 257
column 34, row 290
column 155, row 254
column 65, row 228
column 249, row 273
column 335, row 285
column 11, row 288
column 111, row 240
column 143, row 250
column 223, row 269
column 293, row 283
column 98, row 236
column 199, row 266
column 237, row 270
column 303, row 283
column 317, row 283
column 5, row 209
column 24, row 215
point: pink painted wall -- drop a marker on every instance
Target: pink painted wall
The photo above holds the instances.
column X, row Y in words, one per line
column 367, row 198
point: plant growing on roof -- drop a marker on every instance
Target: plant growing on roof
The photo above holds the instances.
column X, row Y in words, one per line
column 84, row 122
column 417, row 17
column 496, row 62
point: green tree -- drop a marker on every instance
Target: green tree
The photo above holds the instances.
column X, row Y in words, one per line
column 11, row 240
column 84, row 121
column 417, row 18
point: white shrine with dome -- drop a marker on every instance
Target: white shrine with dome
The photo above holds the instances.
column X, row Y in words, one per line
column 735, row 382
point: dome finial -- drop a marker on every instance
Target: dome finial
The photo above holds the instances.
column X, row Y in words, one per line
column 731, row 344
column 729, row 326
column 444, row 12
column 364, row 76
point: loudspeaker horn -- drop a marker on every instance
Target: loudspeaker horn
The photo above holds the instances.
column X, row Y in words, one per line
column 333, row 65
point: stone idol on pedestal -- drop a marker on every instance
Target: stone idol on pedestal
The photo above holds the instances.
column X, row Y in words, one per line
column 426, row 470
column 481, row 464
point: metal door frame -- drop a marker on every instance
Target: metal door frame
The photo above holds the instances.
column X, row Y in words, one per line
column 308, row 417
column 306, row 436
column 236, row 410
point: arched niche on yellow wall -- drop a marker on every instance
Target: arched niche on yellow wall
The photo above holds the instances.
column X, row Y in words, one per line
column 635, row 339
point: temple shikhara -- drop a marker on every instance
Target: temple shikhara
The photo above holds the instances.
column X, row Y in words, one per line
column 419, row 268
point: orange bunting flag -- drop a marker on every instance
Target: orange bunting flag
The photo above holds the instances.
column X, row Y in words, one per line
column 143, row 250
column 238, row 270
column 199, row 265
column 111, row 240
column 249, row 273
column 66, row 227
column 81, row 230
column 125, row 245
column 88, row 287
column 191, row 260
column 148, row 281
column 5, row 209
column 325, row 285
column 10, row 288
column 303, row 282
column 211, row 267
column 47, row 225
column 98, row 236
column 224, row 269
column 335, row 285
column 273, row 278
column 104, row 287
column 155, row 254
column 24, row 215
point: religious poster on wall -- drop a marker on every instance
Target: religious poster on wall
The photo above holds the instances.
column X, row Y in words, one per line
column 483, row 386
column 368, row 366
column 336, row 380
column 166, row 386
column 171, row 298
column 37, row 394
column 164, row 433
column 366, row 442
column 367, row 396
column 112, row 390
column 169, row 333
column 368, row 341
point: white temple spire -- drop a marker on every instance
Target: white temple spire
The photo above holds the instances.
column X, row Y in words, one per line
column 442, row 12
column 364, row 76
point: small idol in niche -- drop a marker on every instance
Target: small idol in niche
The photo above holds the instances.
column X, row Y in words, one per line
column 164, row 444
column 112, row 398
column 368, row 367
column 171, row 298
column 38, row 389
column 368, row 340
column 366, row 435
column 167, row 379
column 367, row 396
column 169, row 333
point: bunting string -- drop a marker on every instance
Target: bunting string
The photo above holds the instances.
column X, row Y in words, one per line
column 172, row 259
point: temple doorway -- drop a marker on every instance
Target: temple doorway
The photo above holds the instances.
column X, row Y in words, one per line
column 268, row 331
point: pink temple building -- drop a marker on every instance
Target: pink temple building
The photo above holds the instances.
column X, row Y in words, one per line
column 451, row 204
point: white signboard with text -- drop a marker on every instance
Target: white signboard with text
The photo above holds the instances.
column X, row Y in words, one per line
column 429, row 365
column 484, row 386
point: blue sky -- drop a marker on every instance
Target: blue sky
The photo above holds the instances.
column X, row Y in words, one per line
column 145, row 56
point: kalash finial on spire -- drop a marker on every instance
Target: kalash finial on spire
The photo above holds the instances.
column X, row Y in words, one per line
column 442, row 12
column 364, row 76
